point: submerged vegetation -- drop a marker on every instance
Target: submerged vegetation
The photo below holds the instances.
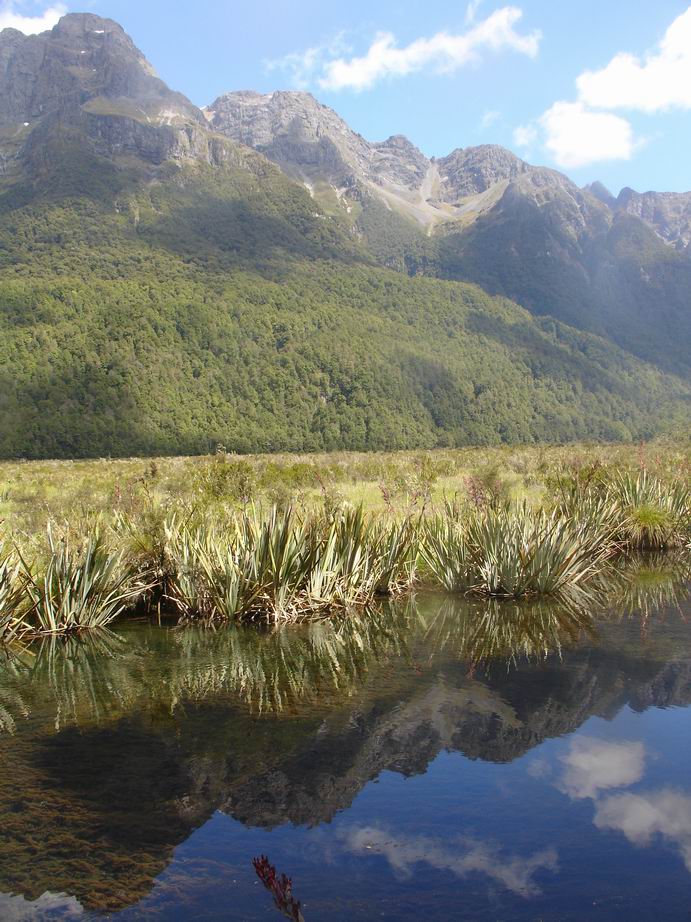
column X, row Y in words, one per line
column 224, row 548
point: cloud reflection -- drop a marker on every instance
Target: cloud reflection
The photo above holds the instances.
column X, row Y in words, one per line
column 593, row 765
column 49, row 906
column 641, row 817
column 469, row 856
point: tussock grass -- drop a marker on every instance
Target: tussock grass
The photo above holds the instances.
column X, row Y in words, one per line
column 654, row 514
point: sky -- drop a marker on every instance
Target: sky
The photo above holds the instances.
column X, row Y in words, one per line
column 600, row 89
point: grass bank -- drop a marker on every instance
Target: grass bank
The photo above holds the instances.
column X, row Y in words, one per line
column 226, row 538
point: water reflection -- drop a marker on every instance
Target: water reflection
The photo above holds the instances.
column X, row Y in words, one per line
column 118, row 749
column 642, row 817
column 104, row 674
column 461, row 857
column 594, row 765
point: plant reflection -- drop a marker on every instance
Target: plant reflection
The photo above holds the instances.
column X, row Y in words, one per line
column 105, row 674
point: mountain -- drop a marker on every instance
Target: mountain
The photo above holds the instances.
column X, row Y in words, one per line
column 668, row 213
column 614, row 267
column 165, row 287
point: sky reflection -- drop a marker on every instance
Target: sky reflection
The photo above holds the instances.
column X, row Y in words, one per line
column 461, row 857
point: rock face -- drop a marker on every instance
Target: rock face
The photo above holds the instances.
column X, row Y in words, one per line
column 476, row 169
column 668, row 213
column 312, row 144
column 310, row 141
column 84, row 60
column 87, row 74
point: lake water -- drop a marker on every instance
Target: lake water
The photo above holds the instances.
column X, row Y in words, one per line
column 439, row 760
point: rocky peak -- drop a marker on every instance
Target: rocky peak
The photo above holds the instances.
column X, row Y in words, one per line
column 83, row 60
column 293, row 129
column 399, row 161
column 473, row 170
column 602, row 193
column 311, row 141
column 668, row 213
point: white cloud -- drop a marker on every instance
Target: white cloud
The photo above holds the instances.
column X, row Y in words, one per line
column 471, row 10
column 539, row 768
column 466, row 857
column 576, row 136
column 19, row 909
column 525, row 135
column 666, row 813
column 657, row 82
column 10, row 18
column 593, row 765
column 303, row 67
column 488, row 119
column 442, row 53
column 587, row 131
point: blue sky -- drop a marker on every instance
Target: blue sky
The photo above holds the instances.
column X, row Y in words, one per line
column 600, row 89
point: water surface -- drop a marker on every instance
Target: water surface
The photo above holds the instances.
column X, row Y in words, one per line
column 439, row 760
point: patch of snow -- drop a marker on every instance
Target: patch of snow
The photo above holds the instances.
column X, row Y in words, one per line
column 82, row 52
column 99, row 31
column 26, row 124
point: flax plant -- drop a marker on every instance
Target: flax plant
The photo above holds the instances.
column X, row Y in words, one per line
column 13, row 585
column 654, row 514
column 514, row 551
column 80, row 588
column 281, row 567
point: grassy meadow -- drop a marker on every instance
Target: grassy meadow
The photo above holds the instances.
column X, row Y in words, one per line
column 36, row 492
column 284, row 537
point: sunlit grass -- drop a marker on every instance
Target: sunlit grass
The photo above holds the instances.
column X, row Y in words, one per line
column 285, row 538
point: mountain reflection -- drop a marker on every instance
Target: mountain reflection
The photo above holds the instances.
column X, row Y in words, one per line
column 117, row 747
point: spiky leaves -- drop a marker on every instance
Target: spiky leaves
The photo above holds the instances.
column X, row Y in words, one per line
column 514, row 551
column 80, row 587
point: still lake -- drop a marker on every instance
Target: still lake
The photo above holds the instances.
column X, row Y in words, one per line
column 437, row 760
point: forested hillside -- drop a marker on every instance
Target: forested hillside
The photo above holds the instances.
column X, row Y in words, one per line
column 216, row 307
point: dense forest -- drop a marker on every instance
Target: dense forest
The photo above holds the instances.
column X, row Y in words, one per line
column 219, row 305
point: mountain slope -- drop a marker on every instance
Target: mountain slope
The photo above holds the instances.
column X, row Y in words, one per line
column 482, row 214
column 164, row 289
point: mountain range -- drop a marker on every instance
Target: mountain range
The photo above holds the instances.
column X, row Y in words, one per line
column 258, row 275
